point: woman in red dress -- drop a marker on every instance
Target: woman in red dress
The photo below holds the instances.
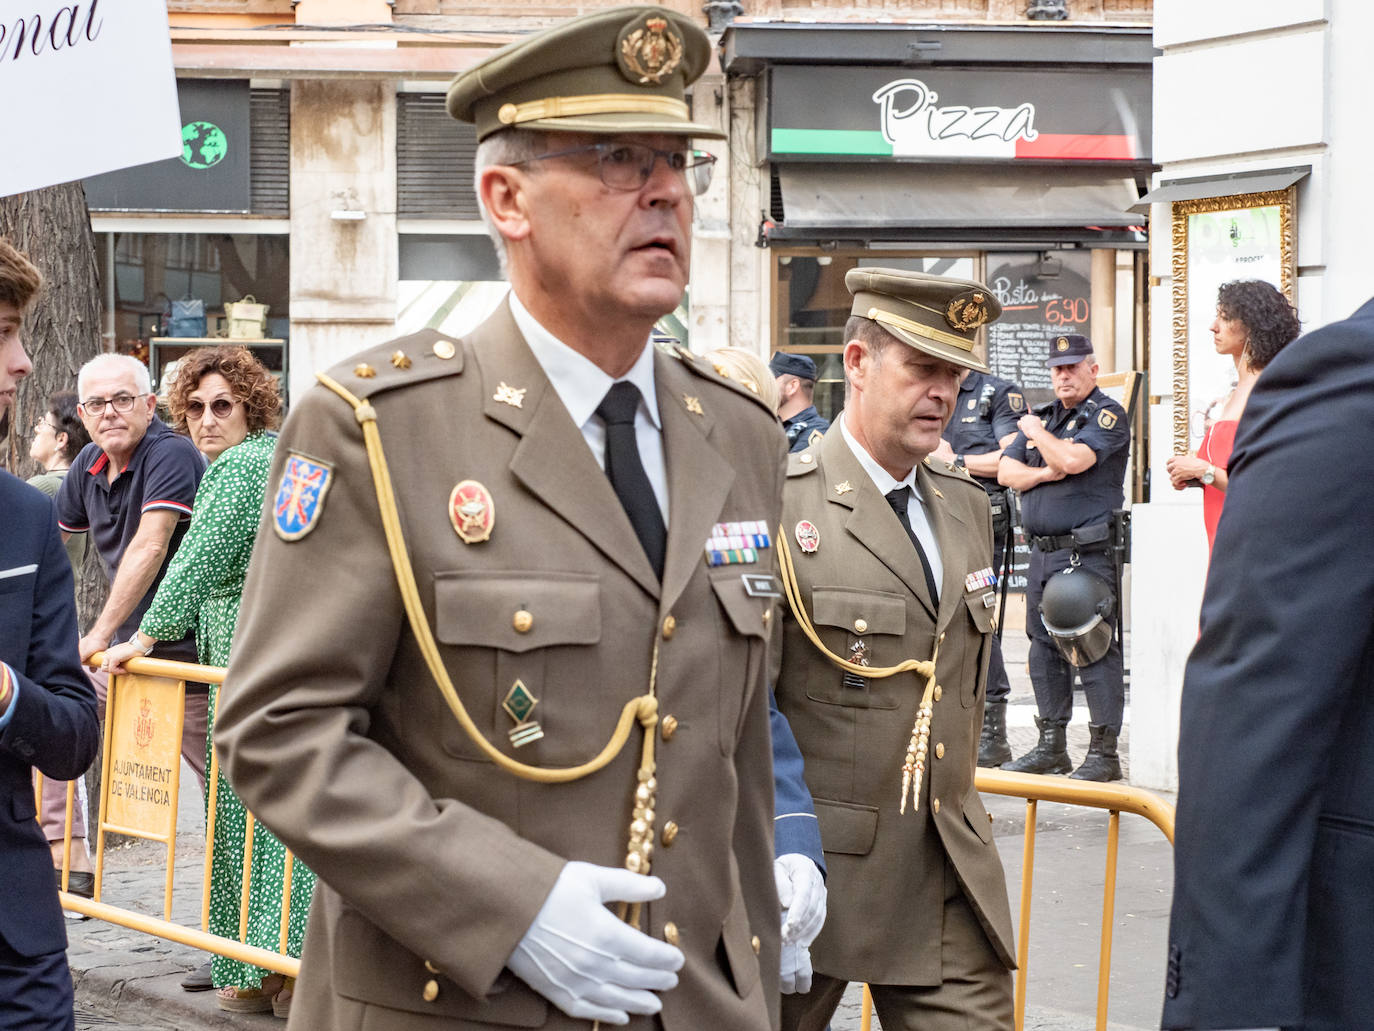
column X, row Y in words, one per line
column 1254, row 322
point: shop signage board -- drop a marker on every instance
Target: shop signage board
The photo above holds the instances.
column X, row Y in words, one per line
column 86, row 88
column 1036, row 309
column 939, row 114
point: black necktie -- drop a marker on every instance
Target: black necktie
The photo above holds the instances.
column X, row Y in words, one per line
column 626, row 471
column 898, row 500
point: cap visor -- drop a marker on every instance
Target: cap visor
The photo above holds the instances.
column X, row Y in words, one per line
column 1063, row 359
column 953, row 355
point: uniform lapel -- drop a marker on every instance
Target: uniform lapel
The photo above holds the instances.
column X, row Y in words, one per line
column 871, row 519
column 552, row 459
column 699, row 476
column 952, row 535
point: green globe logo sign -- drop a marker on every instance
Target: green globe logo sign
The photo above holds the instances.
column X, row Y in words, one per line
column 203, row 145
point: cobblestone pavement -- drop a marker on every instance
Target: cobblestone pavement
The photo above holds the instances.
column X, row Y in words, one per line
column 126, row 981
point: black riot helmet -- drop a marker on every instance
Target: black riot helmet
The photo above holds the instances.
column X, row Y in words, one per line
column 1076, row 609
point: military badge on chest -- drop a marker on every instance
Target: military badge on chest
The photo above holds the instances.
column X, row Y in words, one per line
column 472, row 512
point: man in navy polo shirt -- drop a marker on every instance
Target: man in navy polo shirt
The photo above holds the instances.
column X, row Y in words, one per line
column 131, row 489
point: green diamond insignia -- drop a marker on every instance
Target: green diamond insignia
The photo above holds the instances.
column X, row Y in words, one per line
column 519, row 702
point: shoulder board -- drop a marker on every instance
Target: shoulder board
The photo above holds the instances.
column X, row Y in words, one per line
column 716, row 374
column 951, row 471
column 799, row 463
column 406, row 360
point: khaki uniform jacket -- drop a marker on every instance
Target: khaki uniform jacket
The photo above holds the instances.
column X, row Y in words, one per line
column 886, row 882
column 334, row 734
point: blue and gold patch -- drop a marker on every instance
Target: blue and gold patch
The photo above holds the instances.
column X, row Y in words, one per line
column 299, row 500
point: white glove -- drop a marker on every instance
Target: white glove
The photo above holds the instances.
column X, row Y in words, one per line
column 582, row 959
column 795, row 969
column 801, row 890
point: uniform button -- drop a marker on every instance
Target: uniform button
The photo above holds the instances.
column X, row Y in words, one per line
column 806, row 459
column 669, row 833
column 523, row 621
column 767, row 616
column 861, row 626
column 444, row 349
column 669, row 625
column 431, row 991
column 935, row 804
column 989, row 817
column 939, row 749
column 757, row 945
column 937, row 693
column 670, row 933
column 668, row 727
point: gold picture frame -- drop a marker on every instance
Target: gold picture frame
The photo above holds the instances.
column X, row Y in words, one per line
column 1276, row 243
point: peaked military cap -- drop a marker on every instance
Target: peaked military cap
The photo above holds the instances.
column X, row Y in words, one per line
column 935, row 314
column 785, row 364
column 1069, row 349
column 621, row 70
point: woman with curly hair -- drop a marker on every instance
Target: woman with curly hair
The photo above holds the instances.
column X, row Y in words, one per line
column 1254, row 323
column 228, row 403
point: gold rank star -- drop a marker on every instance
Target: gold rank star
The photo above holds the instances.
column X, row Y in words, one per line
column 693, row 404
column 843, row 488
column 513, row 396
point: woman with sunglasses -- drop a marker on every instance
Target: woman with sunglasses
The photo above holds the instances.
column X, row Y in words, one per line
column 228, row 403
column 58, row 436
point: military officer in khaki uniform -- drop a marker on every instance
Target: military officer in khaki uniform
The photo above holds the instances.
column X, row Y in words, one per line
column 571, row 528
column 892, row 556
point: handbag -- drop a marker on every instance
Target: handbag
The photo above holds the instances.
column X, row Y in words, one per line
column 247, row 318
column 184, row 318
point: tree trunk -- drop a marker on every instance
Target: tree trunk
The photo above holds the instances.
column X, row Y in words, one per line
column 61, row 332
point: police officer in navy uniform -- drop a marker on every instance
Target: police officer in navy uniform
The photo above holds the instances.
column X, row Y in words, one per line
column 983, row 423
column 1068, row 462
column 796, row 379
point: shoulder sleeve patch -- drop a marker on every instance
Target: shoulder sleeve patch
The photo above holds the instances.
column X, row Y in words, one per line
column 1016, row 400
column 1106, row 419
column 299, row 498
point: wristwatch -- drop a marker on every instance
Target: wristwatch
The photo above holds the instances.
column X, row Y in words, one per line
column 1209, row 475
column 958, row 461
column 135, row 642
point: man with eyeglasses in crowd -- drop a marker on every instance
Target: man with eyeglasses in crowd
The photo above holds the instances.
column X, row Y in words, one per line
column 568, row 496
column 130, row 490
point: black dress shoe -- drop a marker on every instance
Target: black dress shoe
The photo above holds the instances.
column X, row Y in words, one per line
column 198, row 980
column 79, row 882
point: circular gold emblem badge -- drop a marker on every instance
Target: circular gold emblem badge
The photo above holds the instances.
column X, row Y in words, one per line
column 649, row 52
column 967, row 311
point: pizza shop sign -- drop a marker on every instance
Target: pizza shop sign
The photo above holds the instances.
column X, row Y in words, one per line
column 917, row 126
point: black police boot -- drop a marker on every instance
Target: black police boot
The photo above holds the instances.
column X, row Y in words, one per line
column 1049, row 755
column 993, row 749
column 1102, row 762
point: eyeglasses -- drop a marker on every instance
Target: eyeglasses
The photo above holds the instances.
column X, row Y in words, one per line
column 220, row 406
column 121, row 403
column 43, row 424
column 628, row 166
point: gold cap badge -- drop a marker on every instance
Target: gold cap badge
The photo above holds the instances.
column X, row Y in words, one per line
column 649, row 51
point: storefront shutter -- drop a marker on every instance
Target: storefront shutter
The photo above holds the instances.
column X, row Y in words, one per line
column 434, row 157
column 270, row 174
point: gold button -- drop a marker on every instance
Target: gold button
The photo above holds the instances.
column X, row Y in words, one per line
column 754, row 941
column 523, row 621
column 989, row 817
column 939, row 749
column 431, row 991
column 444, row 349
column 861, row 626
column 507, row 113
column 767, row 616
column 669, row 833
column 670, row 933
column 669, row 625
column 806, row 459
column 935, row 804
column 936, row 693
column 668, row 728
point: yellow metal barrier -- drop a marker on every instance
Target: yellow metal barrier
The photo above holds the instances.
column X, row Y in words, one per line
column 1116, row 799
column 165, row 681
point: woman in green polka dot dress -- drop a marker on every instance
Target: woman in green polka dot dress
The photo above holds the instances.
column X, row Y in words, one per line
column 228, row 402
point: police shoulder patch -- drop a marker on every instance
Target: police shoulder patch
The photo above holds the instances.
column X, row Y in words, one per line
column 300, row 495
column 1016, row 400
column 1106, row 419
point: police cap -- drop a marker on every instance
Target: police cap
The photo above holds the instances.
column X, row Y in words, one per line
column 621, row 70
column 935, row 314
column 1069, row 349
column 784, row 364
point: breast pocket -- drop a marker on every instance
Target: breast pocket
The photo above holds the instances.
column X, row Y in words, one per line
column 523, row 655
column 863, row 626
column 741, row 654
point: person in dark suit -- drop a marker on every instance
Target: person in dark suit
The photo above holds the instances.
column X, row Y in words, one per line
column 1274, row 850
column 47, row 706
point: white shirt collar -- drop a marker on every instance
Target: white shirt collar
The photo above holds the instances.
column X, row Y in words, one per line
column 881, row 478
column 577, row 380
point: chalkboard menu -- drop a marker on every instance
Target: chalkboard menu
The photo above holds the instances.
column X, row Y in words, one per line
column 1043, row 296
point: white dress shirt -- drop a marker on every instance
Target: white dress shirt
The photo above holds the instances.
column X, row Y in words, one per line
column 915, row 505
column 582, row 386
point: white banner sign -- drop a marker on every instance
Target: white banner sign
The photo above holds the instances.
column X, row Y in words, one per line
column 84, row 88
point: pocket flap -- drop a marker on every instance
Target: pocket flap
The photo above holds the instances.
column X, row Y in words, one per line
column 517, row 611
column 846, row 827
column 885, row 613
column 979, row 609
column 977, row 815
column 746, row 613
column 739, row 948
